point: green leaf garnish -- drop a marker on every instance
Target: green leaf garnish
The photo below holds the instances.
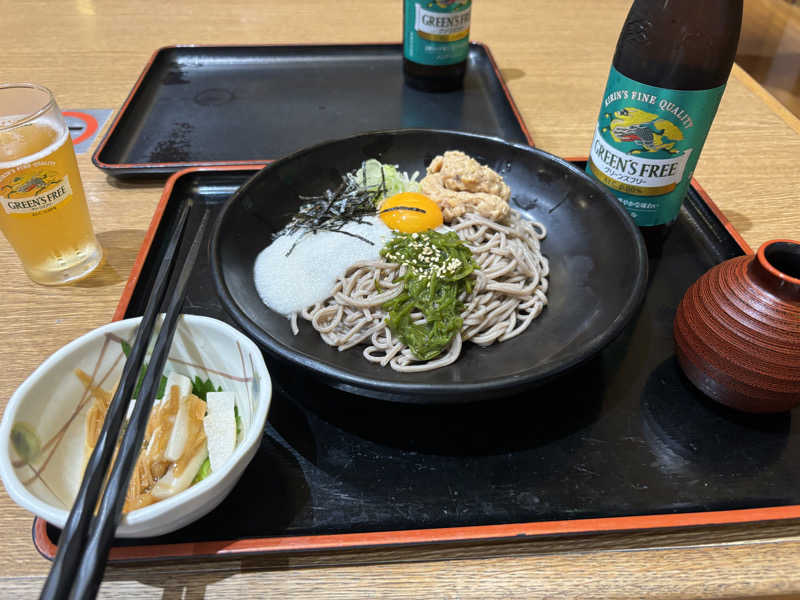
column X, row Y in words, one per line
column 239, row 427
column 200, row 387
column 162, row 384
column 205, row 471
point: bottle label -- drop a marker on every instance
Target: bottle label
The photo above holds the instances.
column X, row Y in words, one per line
column 437, row 31
column 647, row 143
column 33, row 190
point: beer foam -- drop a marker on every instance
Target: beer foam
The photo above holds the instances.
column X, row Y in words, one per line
column 7, row 137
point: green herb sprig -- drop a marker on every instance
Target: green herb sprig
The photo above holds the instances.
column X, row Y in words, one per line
column 199, row 387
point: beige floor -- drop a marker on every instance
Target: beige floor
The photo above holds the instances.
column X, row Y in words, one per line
column 769, row 48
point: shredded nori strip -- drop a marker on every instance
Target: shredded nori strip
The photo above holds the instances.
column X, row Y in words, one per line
column 350, row 202
column 414, row 208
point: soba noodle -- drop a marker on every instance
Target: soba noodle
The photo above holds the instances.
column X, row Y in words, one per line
column 510, row 292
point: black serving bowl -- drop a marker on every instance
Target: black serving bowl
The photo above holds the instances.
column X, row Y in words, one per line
column 598, row 266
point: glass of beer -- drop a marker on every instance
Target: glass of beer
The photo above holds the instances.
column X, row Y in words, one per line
column 43, row 210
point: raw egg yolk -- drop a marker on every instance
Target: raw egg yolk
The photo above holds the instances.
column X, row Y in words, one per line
column 411, row 212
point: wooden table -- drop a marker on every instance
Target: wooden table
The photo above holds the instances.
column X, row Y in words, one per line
column 554, row 55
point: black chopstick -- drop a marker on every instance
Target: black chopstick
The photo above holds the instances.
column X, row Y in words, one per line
column 74, row 551
column 73, row 536
column 104, row 524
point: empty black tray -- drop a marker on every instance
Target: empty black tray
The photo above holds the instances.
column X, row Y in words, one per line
column 196, row 105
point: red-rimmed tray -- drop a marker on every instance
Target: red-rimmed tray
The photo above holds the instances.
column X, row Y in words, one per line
column 215, row 105
column 627, row 443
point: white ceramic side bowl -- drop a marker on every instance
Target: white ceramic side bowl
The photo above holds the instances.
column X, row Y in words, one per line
column 51, row 406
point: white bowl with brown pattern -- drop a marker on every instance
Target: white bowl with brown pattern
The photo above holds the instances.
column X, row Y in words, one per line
column 43, row 430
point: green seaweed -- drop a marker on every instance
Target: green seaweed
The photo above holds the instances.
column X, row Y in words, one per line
column 438, row 272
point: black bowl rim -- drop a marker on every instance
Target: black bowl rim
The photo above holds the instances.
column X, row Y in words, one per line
column 425, row 392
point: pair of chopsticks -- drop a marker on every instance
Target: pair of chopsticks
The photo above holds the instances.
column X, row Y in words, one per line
column 85, row 541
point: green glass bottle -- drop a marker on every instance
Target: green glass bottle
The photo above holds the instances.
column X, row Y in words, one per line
column 435, row 43
column 669, row 71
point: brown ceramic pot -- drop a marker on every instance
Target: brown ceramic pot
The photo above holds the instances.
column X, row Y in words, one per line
column 737, row 330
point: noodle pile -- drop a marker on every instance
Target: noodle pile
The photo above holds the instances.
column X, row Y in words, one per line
column 510, row 292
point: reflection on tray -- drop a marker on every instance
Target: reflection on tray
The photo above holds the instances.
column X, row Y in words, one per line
column 225, row 104
column 693, row 435
column 529, row 420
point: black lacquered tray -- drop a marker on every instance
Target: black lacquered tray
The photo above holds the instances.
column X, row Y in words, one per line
column 202, row 105
column 623, row 442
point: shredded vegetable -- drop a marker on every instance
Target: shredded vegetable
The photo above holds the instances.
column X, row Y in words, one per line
column 374, row 175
